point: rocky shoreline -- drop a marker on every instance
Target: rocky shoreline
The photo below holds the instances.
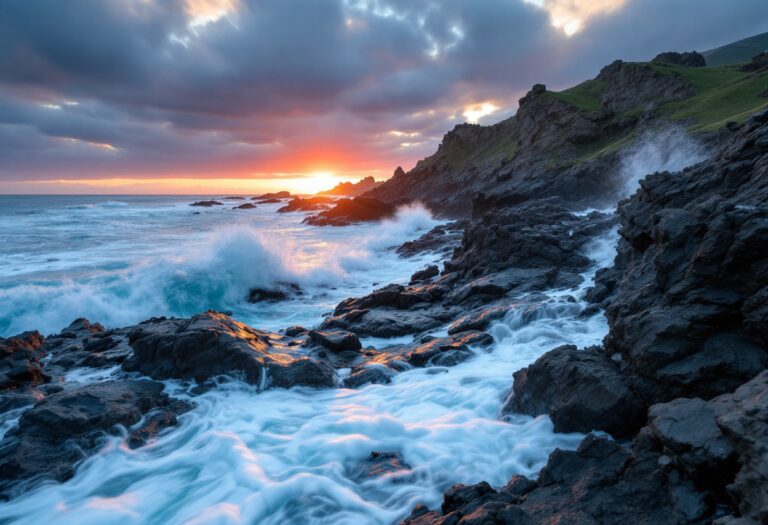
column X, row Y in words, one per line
column 678, row 391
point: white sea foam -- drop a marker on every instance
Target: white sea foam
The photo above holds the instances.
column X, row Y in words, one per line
column 671, row 149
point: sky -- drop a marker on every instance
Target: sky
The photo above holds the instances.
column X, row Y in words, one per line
column 211, row 96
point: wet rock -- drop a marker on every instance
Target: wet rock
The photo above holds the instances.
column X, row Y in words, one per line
column 245, row 206
column 21, row 361
column 85, row 344
column 213, row 344
column 336, row 340
column 425, row 275
column 448, row 351
column 279, row 292
column 293, row 331
column 207, row 204
column 350, row 211
column 371, row 374
column 52, row 437
column 478, row 320
column 377, row 465
column 688, row 432
column 581, row 390
column 681, row 313
column 308, row 204
column 275, row 196
column 442, row 239
column 579, row 487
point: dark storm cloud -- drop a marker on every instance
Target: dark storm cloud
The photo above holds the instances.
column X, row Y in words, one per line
column 276, row 77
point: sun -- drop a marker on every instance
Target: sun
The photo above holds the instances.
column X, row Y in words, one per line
column 317, row 181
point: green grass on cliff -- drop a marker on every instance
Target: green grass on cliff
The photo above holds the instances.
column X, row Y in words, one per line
column 722, row 94
column 585, row 96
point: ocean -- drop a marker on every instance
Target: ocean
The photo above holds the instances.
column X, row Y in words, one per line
column 281, row 455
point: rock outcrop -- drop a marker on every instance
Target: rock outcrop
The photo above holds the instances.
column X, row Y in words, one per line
column 682, row 314
column 207, row 204
column 690, row 59
column 352, row 189
column 57, row 433
column 308, row 204
column 212, row 344
column 349, row 211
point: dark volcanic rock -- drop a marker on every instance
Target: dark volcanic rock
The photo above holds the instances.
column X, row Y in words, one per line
column 335, row 340
column 539, row 235
column 207, row 204
column 51, row 438
column 681, row 312
column 478, row 320
column 425, row 275
column 20, row 361
column 448, row 351
column 581, row 390
column 349, row 211
column 691, row 59
column 279, row 292
column 245, row 206
column 212, row 344
column 441, row 239
column 308, row 204
column 600, row 483
column 631, row 85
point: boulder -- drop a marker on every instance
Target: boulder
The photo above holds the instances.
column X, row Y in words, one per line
column 448, row 351
column 276, row 196
column 349, row 211
column 21, row 361
column 212, row 344
column 308, row 204
column 581, row 390
column 336, row 340
column 425, row 275
column 207, row 204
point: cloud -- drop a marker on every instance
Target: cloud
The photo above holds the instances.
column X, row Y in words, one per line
column 235, row 87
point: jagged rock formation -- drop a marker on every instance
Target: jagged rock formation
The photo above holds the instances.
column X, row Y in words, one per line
column 349, row 211
column 692, row 59
column 63, row 428
column 350, row 189
column 308, row 204
column 682, row 314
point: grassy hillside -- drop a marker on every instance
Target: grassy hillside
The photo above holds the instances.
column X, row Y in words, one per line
column 722, row 94
column 741, row 51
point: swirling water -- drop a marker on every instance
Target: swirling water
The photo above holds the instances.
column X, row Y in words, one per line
column 278, row 456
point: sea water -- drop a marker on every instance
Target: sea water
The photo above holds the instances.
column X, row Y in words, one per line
column 282, row 455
